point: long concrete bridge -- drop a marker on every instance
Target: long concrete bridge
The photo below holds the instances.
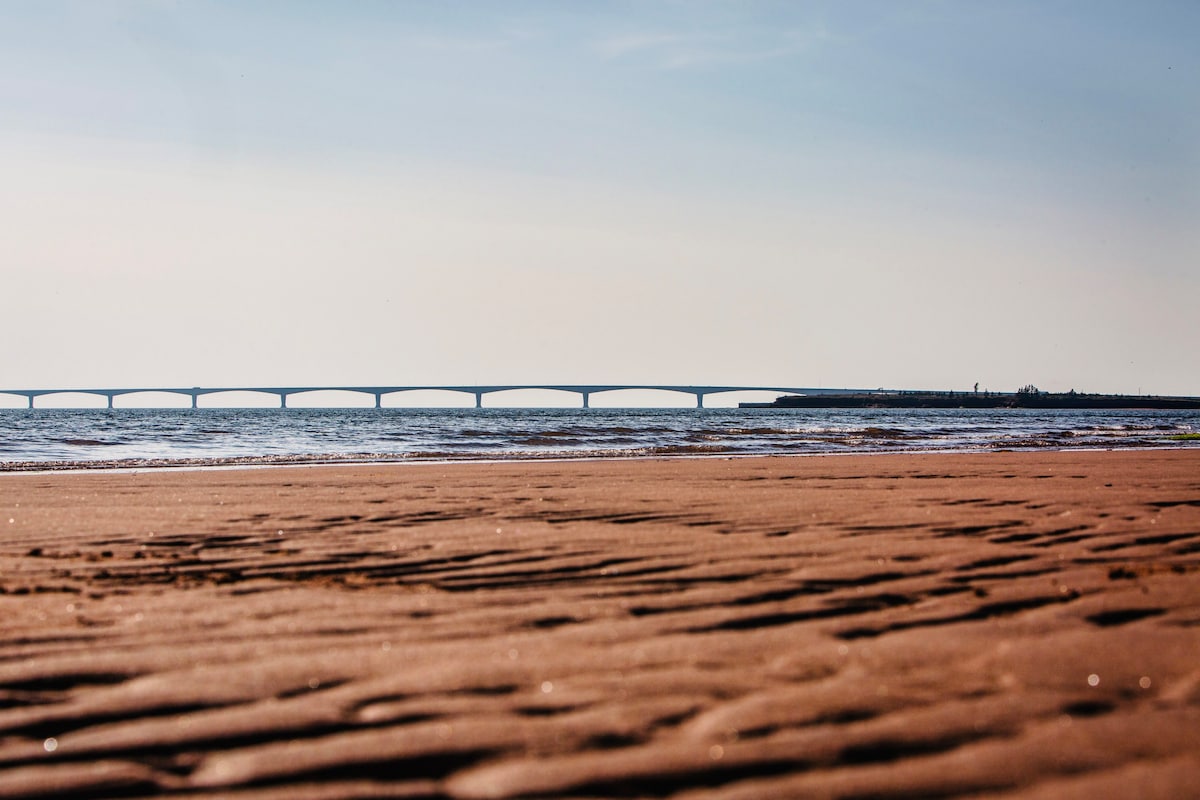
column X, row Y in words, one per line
column 284, row 392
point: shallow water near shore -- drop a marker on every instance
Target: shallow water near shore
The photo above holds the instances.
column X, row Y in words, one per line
column 143, row 437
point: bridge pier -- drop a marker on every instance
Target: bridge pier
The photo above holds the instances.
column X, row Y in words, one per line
column 378, row 400
column 479, row 399
column 699, row 400
column 586, row 397
column 110, row 401
column 195, row 399
column 282, row 400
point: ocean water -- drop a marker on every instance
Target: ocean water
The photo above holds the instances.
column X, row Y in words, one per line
column 65, row 438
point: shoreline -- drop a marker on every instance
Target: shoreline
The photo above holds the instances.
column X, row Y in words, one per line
column 127, row 466
column 1005, row 624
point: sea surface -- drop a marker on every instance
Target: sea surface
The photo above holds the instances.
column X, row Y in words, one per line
column 83, row 438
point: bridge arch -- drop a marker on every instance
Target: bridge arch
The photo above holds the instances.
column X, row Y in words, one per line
column 71, row 398
column 428, row 398
column 158, row 398
column 15, row 400
column 238, row 398
column 620, row 397
column 729, row 398
column 331, row 398
column 532, row 397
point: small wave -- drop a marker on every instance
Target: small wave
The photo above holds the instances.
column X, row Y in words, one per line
column 396, row 437
column 552, row 440
column 687, row 449
column 621, row 440
column 1028, row 443
column 88, row 442
column 1116, row 432
column 561, row 434
column 884, row 433
column 865, row 443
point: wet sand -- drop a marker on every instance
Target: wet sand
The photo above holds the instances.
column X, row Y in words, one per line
column 999, row 625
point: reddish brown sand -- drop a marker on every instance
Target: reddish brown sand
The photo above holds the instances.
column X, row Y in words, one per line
column 1010, row 624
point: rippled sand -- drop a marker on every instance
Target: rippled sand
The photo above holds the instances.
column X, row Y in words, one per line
column 1009, row 624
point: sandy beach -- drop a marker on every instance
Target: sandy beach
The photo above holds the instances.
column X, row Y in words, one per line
column 894, row 626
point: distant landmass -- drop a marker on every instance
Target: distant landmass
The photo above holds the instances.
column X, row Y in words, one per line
column 1025, row 398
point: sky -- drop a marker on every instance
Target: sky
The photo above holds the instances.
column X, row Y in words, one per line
column 922, row 195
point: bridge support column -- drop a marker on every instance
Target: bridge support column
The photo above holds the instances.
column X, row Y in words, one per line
column 195, row 398
column 378, row 400
column 282, row 400
column 110, row 399
column 31, row 401
column 699, row 400
column 586, row 396
column 479, row 399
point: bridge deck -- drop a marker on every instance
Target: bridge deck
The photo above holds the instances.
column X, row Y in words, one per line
column 479, row 392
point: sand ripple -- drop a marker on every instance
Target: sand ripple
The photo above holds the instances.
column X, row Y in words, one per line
column 886, row 627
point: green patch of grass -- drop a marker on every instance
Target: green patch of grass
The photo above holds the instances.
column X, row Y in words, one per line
column 1185, row 437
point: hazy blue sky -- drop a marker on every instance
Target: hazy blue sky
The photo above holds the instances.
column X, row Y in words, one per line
column 901, row 194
